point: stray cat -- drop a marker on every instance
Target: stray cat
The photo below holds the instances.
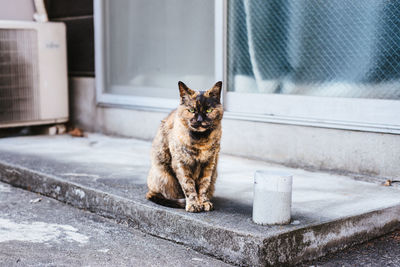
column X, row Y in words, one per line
column 185, row 152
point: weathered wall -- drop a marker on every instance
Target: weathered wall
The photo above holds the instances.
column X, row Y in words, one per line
column 368, row 153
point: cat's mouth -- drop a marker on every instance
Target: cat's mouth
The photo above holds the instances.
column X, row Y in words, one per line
column 199, row 127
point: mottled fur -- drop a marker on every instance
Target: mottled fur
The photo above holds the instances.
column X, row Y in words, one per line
column 185, row 151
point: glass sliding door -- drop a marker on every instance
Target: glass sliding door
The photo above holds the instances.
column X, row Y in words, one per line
column 336, row 61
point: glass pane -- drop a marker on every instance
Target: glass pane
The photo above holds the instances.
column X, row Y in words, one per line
column 341, row 48
column 151, row 45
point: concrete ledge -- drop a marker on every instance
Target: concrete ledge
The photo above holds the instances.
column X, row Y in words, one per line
column 233, row 247
column 226, row 233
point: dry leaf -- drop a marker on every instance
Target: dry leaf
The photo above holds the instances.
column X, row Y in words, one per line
column 388, row 183
column 76, row 132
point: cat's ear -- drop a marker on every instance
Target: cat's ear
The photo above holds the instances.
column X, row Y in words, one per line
column 184, row 90
column 215, row 91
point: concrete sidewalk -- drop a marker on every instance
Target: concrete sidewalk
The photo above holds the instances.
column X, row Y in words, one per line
column 107, row 176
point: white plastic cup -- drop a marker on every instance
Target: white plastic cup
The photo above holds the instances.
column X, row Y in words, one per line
column 272, row 200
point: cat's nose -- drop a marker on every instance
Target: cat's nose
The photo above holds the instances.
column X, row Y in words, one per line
column 199, row 118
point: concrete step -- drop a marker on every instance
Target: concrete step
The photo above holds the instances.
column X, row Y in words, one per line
column 107, row 176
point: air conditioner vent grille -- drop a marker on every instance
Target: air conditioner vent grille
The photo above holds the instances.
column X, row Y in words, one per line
column 19, row 75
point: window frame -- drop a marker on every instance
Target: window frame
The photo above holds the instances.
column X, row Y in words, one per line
column 370, row 115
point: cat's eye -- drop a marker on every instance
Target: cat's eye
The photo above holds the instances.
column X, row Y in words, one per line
column 209, row 110
column 191, row 110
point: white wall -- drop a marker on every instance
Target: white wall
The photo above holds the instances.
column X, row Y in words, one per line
column 16, row 10
column 373, row 154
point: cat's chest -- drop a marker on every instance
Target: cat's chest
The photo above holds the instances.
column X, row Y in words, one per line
column 197, row 153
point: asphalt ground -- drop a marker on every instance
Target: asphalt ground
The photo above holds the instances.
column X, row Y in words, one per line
column 383, row 251
column 40, row 231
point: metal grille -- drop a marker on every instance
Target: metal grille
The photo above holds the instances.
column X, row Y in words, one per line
column 341, row 48
column 19, row 92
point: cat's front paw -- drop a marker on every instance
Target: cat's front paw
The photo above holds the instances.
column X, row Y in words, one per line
column 207, row 206
column 194, row 207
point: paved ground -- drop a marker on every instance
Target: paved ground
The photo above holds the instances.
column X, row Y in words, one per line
column 50, row 233
column 384, row 251
column 107, row 175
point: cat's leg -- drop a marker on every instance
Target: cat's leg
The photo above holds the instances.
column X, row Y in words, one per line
column 206, row 185
column 188, row 185
column 162, row 181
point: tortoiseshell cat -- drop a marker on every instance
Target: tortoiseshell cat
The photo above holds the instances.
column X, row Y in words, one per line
column 185, row 152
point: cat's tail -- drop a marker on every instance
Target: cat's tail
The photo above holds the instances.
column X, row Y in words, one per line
column 161, row 200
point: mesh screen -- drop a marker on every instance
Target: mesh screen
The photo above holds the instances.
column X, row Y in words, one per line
column 18, row 75
column 341, row 48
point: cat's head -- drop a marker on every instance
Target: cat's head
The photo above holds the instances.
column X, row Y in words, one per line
column 200, row 110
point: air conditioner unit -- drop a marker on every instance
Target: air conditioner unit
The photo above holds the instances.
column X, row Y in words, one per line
column 33, row 73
